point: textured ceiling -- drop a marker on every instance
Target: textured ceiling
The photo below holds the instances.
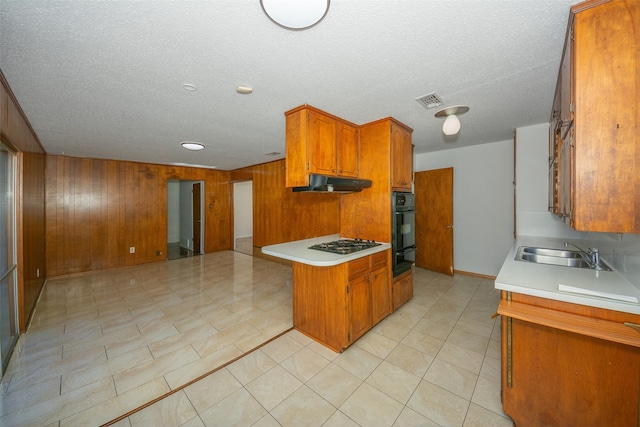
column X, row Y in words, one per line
column 105, row 79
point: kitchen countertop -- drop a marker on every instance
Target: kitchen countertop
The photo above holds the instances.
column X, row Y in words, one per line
column 611, row 290
column 299, row 251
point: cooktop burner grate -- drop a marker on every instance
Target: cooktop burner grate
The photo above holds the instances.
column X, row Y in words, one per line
column 345, row 246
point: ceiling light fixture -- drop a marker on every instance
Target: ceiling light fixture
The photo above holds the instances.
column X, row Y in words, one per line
column 245, row 90
column 451, row 124
column 295, row 14
column 189, row 87
column 193, row 146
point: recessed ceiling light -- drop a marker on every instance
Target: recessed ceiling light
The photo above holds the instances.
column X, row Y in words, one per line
column 189, row 87
column 193, row 146
column 245, row 90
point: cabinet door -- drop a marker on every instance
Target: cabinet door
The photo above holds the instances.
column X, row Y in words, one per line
column 322, row 144
column 380, row 294
column 584, row 381
column 359, row 296
column 402, row 289
column 401, row 158
column 348, row 148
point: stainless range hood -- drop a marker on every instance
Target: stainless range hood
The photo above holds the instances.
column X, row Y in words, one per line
column 333, row 184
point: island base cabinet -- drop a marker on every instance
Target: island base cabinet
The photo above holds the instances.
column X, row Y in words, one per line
column 552, row 377
column 336, row 305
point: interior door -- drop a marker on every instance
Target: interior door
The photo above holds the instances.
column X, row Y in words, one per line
column 197, row 223
column 434, row 220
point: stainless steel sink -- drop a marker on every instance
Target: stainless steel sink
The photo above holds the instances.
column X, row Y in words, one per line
column 560, row 257
column 561, row 253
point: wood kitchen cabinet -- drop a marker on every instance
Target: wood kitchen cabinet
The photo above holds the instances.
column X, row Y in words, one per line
column 402, row 289
column 594, row 147
column 319, row 143
column 568, row 365
column 401, row 158
column 337, row 305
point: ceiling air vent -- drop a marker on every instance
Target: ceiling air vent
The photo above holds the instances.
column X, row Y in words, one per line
column 430, row 100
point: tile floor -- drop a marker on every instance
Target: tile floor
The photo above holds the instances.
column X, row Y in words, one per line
column 105, row 343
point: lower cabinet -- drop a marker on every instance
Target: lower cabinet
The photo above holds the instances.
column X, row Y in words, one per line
column 337, row 305
column 402, row 289
column 569, row 365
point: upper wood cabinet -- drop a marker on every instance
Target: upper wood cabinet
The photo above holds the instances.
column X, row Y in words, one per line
column 319, row 143
column 401, row 158
column 595, row 178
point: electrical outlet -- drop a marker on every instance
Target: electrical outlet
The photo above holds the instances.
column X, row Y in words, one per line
column 132, row 250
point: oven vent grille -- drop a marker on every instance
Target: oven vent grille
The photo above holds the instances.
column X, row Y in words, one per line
column 430, row 100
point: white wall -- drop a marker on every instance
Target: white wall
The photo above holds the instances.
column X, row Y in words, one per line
column 532, row 185
column 243, row 209
column 482, row 203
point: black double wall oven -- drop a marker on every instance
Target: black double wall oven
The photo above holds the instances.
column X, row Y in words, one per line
column 403, row 235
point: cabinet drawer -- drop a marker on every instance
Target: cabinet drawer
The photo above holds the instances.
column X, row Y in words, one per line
column 378, row 260
column 359, row 267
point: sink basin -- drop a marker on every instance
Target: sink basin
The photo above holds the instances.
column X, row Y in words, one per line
column 551, row 252
column 560, row 257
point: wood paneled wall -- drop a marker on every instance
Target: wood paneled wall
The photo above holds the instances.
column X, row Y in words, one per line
column 97, row 209
column 280, row 215
column 16, row 131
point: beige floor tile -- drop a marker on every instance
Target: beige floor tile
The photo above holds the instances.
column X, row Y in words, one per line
column 468, row 340
column 105, row 369
column 478, row 416
column 411, row 360
column 334, row 384
column 187, row 372
column 28, row 396
column 361, row 408
column 424, row 343
column 267, row 421
column 434, row 329
column 63, row 406
column 461, row 357
column 137, row 375
column 173, row 410
column 212, row 389
column 491, row 369
column 487, row 395
column 303, row 408
column 282, row 348
column 393, row 381
column 238, row 410
column 438, row 405
column 359, row 362
column 305, row 364
column 338, row 419
column 452, row 378
column 391, row 329
column 376, row 344
column 410, row 418
column 251, row 366
column 272, row 387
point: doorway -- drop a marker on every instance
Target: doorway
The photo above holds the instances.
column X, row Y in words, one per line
column 8, row 259
column 434, row 220
column 243, row 217
column 185, row 218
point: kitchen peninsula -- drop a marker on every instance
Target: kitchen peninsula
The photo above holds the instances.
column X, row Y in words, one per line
column 337, row 297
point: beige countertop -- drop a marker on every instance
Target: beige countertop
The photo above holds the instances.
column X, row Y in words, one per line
column 299, row 251
column 614, row 290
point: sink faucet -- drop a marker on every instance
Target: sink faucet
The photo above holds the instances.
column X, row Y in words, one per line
column 592, row 256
